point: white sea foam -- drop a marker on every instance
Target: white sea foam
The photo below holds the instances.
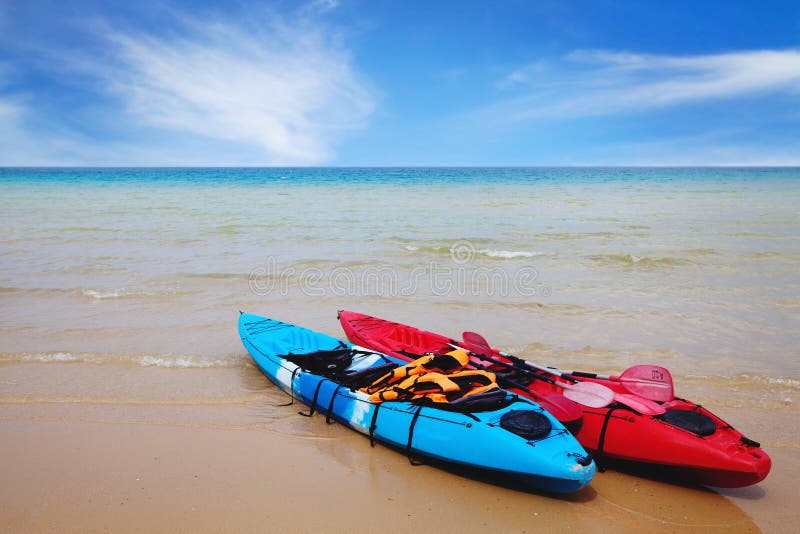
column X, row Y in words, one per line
column 186, row 361
column 162, row 360
column 508, row 254
column 783, row 381
column 791, row 383
column 102, row 295
column 44, row 357
column 107, row 294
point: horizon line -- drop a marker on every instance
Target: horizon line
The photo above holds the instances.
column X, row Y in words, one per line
column 5, row 167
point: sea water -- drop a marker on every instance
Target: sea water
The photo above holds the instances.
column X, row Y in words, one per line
column 696, row 269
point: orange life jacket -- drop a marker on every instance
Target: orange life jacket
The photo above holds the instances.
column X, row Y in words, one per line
column 429, row 363
column 474, row 381
column 422, row 381
column 436, row 386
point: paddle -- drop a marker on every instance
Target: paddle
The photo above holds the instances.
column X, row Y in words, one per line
column 641, row 405
column 648, row 381
column 589, row 394
column 559, row 406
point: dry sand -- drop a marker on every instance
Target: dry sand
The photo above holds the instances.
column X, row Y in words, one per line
column 160, row 459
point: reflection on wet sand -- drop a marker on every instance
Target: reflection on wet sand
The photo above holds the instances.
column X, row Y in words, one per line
column 614, row 500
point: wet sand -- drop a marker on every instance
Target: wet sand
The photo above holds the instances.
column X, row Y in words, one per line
column 130, row 448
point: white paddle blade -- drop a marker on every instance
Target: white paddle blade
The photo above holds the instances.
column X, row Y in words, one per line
column 589, row 394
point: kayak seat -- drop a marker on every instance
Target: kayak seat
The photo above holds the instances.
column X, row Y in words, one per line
column 487, row 401
column 695, row 422
column 328, row 363
column 529, row 424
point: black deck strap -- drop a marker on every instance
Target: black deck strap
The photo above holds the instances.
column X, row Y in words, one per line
column 583, row 460
column 370, row 353
column 749, row 442
column 314, row 401
column 410, row 354
column 291, row 386
column 411, row 437
column 373, row 425
column 365, row 377
column 330, row 405
column 482, row 402
column 602, row 440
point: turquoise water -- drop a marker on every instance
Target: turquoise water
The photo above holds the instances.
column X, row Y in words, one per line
column 697, row 268
column 404, row 175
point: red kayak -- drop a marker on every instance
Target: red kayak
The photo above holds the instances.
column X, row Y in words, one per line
column 685, row 442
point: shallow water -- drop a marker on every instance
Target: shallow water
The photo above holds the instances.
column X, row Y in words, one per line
column 694, row 268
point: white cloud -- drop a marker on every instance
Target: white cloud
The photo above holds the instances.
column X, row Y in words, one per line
column 12, row 136
column 255, row 90
column 323, row 5
column 599, row 82
column 21, row 145
column 289, row 90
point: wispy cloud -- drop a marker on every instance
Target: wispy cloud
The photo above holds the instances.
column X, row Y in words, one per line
column 289, row 90
column 323, row 5
column 598, row 82
column 250, row 88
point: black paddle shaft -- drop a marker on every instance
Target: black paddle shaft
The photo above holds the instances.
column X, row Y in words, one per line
column 516, row 366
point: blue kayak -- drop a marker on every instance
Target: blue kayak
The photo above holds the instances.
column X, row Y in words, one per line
column 516, row 439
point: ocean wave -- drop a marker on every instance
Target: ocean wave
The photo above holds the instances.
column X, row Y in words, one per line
column 506, row 304
column 234, row 228
column 747, row 379
column 430, row 249
column 100, row 294
column 169, row 361
column 123, row 293
column 565, row 236
column 701, row 252
column 762, row 255
column 632, row 259
column 744, row 390
column 436, row 249
column 93, row 294
column 508, row 254
column 441, row 242
column 122, row 401
column 214, row 276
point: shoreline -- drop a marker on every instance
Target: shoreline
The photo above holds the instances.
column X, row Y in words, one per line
column 162, row 456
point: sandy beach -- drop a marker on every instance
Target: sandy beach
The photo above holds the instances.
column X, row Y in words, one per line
column 232, row 459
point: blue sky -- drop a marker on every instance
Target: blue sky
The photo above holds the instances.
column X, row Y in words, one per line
column 357, row 82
